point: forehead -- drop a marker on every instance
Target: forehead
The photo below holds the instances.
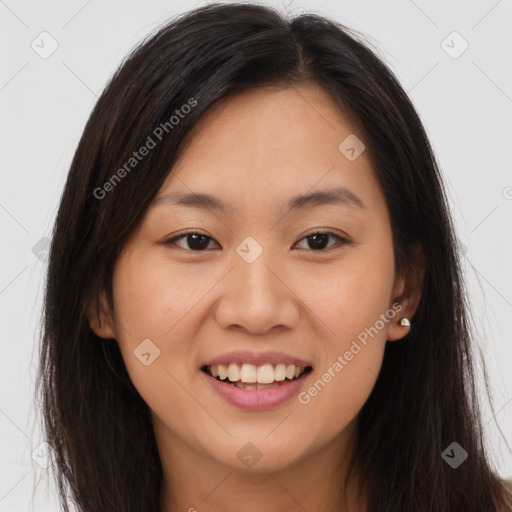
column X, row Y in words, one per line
column 267, row 144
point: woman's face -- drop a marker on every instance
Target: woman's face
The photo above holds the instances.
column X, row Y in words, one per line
column 253, row 292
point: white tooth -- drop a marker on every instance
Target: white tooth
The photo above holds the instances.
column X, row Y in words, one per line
column 239, row 385
column 280, row 372
column 233, row 372
column 223, row 372
column 248, row 373
column 265, row 374
column 251, row 374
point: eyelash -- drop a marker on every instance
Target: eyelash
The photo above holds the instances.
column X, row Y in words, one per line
column 342, row 241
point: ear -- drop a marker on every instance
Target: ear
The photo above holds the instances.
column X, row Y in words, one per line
column 407, row 292
column 100, row 318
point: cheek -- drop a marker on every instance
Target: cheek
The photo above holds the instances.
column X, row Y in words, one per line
column 351, row 362
column 352, row 306
column 134, row 292
column 351, row 297
column 147, row 307
column 151, row 297
column 153, row 305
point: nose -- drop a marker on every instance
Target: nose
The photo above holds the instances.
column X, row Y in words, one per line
column 257, row 297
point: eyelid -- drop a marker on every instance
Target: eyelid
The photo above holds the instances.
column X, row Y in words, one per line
column 342, row 240
column 171, row 242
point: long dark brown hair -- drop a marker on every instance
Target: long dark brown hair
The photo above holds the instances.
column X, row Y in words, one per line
column 425, row 398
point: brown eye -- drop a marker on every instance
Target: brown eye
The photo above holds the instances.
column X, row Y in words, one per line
column 196, row 241
column 318, row 241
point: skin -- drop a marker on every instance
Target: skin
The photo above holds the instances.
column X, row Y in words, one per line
column 255, row 151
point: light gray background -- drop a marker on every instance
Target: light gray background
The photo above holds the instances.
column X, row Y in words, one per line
column 465, row 104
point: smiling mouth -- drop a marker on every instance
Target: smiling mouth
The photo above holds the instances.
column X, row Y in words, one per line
column 248, row 376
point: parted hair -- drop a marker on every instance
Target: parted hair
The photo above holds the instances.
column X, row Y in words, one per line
column 425, row 398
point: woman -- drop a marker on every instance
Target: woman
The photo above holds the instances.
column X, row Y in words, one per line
column 205, row 347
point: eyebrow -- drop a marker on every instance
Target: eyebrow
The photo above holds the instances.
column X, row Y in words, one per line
column 338, row 196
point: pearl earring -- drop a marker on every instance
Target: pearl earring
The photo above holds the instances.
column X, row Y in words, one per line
column 405, row 322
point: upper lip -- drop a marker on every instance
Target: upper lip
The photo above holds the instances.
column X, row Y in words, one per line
column 257, row 359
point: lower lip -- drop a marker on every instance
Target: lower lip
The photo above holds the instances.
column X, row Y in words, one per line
column 256, row 399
